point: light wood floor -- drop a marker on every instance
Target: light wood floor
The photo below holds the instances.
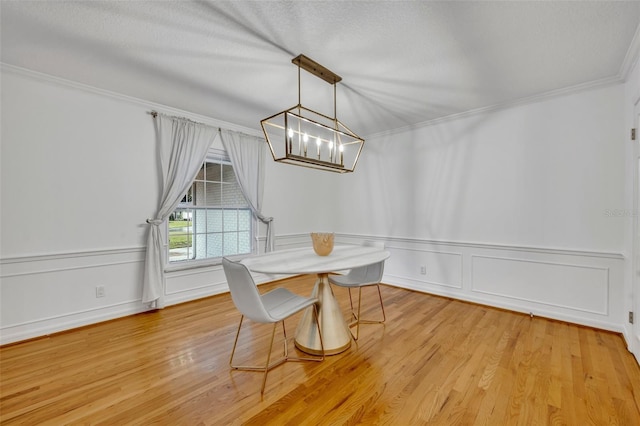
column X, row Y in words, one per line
column 435, row 361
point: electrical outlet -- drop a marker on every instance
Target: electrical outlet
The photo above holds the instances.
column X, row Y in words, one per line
column 423, row 270
column 100, row 291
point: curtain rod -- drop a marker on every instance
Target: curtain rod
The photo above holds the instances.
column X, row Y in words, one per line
column 155, row 113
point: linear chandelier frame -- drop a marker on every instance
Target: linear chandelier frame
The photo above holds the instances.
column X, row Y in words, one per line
column 292, row 132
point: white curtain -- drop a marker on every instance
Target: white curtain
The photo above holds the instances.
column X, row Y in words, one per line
column 247, row 157
column 183, row 146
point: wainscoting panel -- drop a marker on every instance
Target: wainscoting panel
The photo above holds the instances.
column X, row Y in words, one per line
column 425, row 266
column 50, row 293
column 44, row 294
column 563, row 285
column 190, row 284
column 578, row 286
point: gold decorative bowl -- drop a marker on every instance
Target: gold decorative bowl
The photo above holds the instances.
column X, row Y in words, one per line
column 322, row 243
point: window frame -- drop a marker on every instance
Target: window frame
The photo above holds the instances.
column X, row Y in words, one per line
column 220, row 157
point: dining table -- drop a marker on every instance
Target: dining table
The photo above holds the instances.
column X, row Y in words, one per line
column 336, row 337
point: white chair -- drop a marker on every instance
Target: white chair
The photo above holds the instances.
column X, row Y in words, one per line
column 272, row 307
column 363, row 276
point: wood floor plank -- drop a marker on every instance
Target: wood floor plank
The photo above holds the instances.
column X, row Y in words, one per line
column 436, row 360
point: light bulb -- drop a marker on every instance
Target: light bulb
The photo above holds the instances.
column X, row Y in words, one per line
column 318, row 141
column 305, row 137
column 330, row 145
column 290, row 132
column 341, row 148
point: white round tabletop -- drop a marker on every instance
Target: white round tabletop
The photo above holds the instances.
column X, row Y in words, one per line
column 306, row 261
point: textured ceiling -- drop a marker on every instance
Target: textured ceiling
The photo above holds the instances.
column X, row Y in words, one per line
column 402, row 62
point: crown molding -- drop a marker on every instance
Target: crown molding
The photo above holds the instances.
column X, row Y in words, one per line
column 628, row 64
column 596, row 84
column 627, row 67
column 631, row 58
column 165, row 109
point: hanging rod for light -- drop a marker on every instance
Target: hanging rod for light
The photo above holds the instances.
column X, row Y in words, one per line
column 316, row 69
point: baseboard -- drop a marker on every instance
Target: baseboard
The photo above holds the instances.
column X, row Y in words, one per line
column 43, row 327
column 603, row 325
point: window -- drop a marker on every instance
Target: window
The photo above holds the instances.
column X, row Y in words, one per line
column 213, row 219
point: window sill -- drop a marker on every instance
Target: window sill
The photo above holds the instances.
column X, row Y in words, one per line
column 196, row 264
column 192, row 264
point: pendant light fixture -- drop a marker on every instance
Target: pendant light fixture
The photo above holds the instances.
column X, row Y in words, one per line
column 304, row 137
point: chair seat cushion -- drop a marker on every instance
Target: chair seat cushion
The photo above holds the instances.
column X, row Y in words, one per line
column 280, row 303
column 347, row 281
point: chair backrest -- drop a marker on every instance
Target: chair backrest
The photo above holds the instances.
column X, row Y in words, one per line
column 369, row 274
column 244, row 292
column 369, row 243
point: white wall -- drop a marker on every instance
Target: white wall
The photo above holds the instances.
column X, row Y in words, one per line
column 510, row 207
column 78, row 180
column 506, row 208
column 302, row 200
column 78, row 170
column 542, row 174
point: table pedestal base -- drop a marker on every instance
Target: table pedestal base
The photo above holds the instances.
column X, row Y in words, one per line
column 335, row 332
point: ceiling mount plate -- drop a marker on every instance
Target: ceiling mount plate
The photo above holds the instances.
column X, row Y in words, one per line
column 316, row 69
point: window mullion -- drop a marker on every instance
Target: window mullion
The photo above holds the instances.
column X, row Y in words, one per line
column 214, row 197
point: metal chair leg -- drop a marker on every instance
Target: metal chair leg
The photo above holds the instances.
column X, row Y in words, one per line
column 253, row 367
column 384, row 317
column 315, row 310
column 235, row 342
column 359, row 321
column 358, row 318
column 286, row 347
column 351, row 303
column 266, row 367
